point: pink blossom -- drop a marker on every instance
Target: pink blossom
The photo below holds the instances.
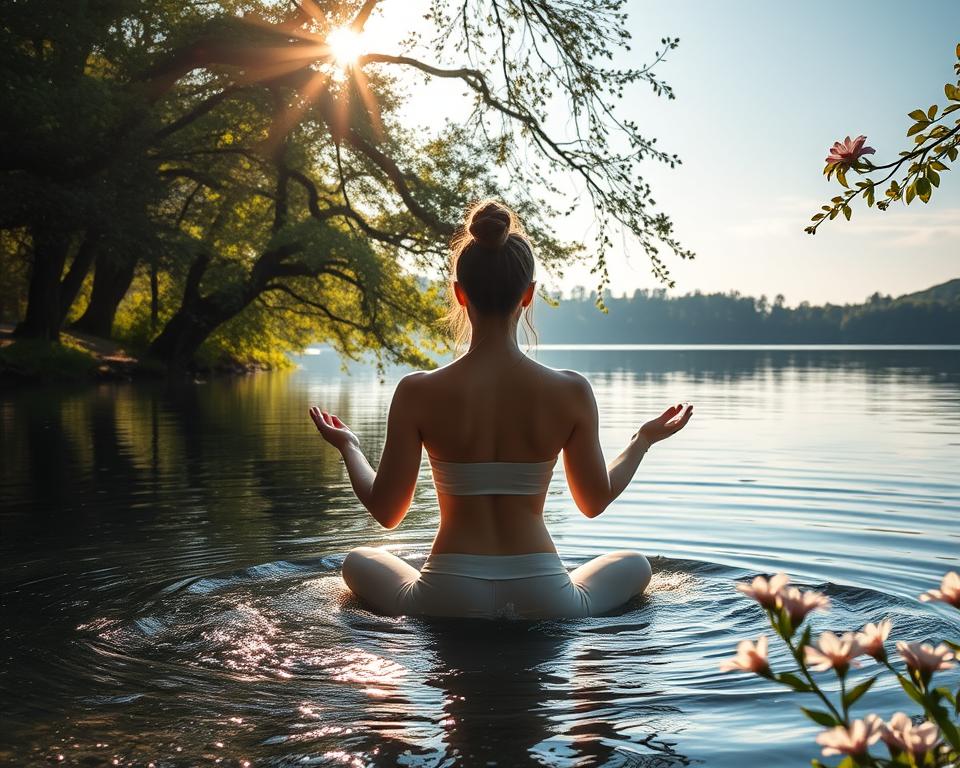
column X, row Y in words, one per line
column 799, row 604
column 848, row 152
column 924, row 657
column 749, row 658
column 900, row 734
column 765, row 592
column 871, row 639
column 853, row 740
column 833, row 651
column 949, row 591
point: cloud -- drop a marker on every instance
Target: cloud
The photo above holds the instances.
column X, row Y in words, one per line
column 897, row 227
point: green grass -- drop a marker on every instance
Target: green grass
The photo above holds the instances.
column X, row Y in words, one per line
column 34, row 359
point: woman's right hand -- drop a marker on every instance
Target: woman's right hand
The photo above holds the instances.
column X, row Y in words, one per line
column 334, row 431
column 668, row 423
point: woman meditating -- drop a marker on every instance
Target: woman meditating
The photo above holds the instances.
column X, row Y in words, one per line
column 493, row 423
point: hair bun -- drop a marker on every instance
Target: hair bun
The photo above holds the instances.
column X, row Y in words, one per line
column 490, row 226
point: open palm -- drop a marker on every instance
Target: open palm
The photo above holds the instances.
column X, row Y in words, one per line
column 333, row 430
column 668, row 423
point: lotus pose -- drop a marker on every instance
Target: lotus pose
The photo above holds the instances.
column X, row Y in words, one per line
column 493, row 423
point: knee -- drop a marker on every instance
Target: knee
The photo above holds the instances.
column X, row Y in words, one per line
column 638, row 567
column 355, row 561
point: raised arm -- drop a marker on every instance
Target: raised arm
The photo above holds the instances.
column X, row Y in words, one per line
column 388, row 491
column 593, row 484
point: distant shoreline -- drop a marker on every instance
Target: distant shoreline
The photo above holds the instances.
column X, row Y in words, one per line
column 746, row 345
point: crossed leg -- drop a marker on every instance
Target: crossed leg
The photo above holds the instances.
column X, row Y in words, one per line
column 610, row 580
column 393, row 587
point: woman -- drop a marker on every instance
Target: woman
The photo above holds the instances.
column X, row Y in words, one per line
column 493, row 422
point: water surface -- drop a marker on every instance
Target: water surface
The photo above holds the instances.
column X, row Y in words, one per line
column 171, row 591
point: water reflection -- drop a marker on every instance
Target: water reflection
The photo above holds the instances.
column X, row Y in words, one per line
column 170, row 559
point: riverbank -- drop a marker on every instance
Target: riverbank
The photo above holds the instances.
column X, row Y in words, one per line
column 81, row 357
column 77, row 357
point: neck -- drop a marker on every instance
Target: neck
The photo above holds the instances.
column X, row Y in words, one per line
column 494, row 335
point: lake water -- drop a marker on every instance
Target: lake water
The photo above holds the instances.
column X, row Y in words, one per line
column 171, row 591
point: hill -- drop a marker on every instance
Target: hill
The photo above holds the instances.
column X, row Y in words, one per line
column 948, row 293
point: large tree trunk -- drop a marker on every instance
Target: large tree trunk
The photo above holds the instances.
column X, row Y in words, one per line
column 183, row 334
column 43, row 318
column 77, row 273
column 110, row 284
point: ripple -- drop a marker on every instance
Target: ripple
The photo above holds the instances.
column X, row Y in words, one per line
column 172, row 593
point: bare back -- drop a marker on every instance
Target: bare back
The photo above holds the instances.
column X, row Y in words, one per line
column 480, row 409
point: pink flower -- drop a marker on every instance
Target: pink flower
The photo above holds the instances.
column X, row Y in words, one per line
column 833, row 651
column 848, row 152
column 949, row 591
column 871, row 639
column 749, row 658
column 765, row 592
column 799, row 604
column 853, row 740
column 924, row 657
column 901, row 734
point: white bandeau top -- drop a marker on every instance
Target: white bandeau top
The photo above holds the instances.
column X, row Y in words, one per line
column 480, row 478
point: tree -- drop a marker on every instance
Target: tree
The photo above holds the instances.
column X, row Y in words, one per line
column 271, row 180
column 935, row 138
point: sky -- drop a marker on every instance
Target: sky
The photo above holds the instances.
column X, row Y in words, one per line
column 762, row 90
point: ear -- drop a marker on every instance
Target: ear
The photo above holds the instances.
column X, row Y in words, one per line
column 528, row 294
column 458, row 292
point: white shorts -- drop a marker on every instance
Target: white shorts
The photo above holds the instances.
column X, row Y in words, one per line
column 531, row 586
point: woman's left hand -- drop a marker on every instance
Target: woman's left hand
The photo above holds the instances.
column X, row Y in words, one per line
column 668, row 423
column 333, row 430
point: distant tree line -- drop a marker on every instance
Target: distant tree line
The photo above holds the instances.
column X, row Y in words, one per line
column 651, row 317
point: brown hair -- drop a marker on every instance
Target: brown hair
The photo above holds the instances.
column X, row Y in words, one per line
column 492, row 259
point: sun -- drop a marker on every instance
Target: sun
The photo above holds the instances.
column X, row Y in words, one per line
column 345, row 45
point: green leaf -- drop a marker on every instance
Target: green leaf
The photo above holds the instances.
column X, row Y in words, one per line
column 817, row 217
column 912, row 691
column 947, row 694
column 923, row 188
column 952, row 92
column 952, row 107
column 842, row 176
column 932, row 112
column 788, row 678
column 820, row 717
column 917, row 127
column 947, row 729
column 952, row 153
column 933, row 177
column 918, row 114
column 911, row 192
column 856, row 692
column 847, row 212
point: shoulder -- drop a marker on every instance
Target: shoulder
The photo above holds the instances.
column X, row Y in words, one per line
column 571, row 387
column 578, row 393
column 576, row 383
column 410, row 384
